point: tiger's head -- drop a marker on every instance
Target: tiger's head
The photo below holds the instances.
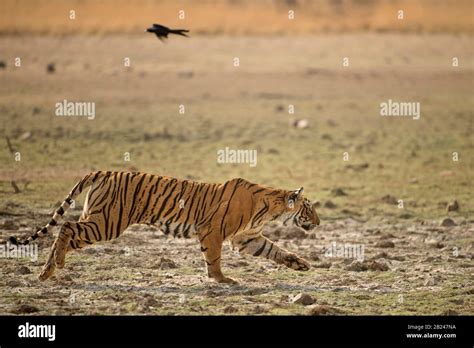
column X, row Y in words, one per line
column 299, row 211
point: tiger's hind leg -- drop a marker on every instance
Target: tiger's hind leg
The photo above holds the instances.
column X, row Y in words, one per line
column 73, row 235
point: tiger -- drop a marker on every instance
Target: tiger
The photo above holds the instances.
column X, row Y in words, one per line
column 234, row 211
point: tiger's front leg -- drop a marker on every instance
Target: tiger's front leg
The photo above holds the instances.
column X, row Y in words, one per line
column 258, row 245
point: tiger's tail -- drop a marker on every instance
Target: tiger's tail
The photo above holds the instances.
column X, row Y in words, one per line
column 86, row 181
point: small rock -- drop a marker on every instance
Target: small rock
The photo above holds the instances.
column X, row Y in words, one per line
column 25, row 136
column 323, row 265
column 324, row 310
column 303, row 299
column 337, row 192
column 458, row 301
column 385, row 244
column 447, row 222
column 51, row 68
column 357, row 266
column 3, row 65
column 299, row 123
column 350, row 212
column 357, row 167
column 326, row 136
column 23, row 270
column 397, row 258
column 273, row 151
column 405, row 216
column 378, row 266
column 389, row 199
column 14, row 283
column 259, row 310
column 430, row 282
column 25, row 309
column 314, row 256
column 151, row 302
column 382, row 255
column 230, row 309
column 453, row 206
column 9, row 224
column 329, row 205
column 165, row 263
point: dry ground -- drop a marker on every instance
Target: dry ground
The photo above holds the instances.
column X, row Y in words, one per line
column 411, row 265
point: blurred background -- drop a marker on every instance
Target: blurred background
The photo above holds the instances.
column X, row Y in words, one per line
column 236, row 17
column 305, row 94
column 291, row 97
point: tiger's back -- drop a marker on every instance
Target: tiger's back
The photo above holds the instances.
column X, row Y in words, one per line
column 179, row 207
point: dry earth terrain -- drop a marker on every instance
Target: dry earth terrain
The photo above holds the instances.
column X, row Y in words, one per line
column 412, row 263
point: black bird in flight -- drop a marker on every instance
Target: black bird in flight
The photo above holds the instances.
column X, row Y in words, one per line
column 162, row 32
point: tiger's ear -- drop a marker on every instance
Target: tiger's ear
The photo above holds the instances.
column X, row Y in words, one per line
column 296, row 195
column 299, row 192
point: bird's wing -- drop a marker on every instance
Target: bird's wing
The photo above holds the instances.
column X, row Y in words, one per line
column 160, row 26
column 161, row 37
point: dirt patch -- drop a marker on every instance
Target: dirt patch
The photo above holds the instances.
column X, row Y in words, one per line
column 142, row 274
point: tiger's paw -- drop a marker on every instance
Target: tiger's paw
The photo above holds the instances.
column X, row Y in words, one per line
column 47, row 271
column 226, row 280
column 294, row 262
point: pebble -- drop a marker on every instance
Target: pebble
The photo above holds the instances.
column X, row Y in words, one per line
column 23, row 270
column 447, row 222
column 453, row 206
column 303, row 299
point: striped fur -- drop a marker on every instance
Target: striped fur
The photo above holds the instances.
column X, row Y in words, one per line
column 235, row 210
